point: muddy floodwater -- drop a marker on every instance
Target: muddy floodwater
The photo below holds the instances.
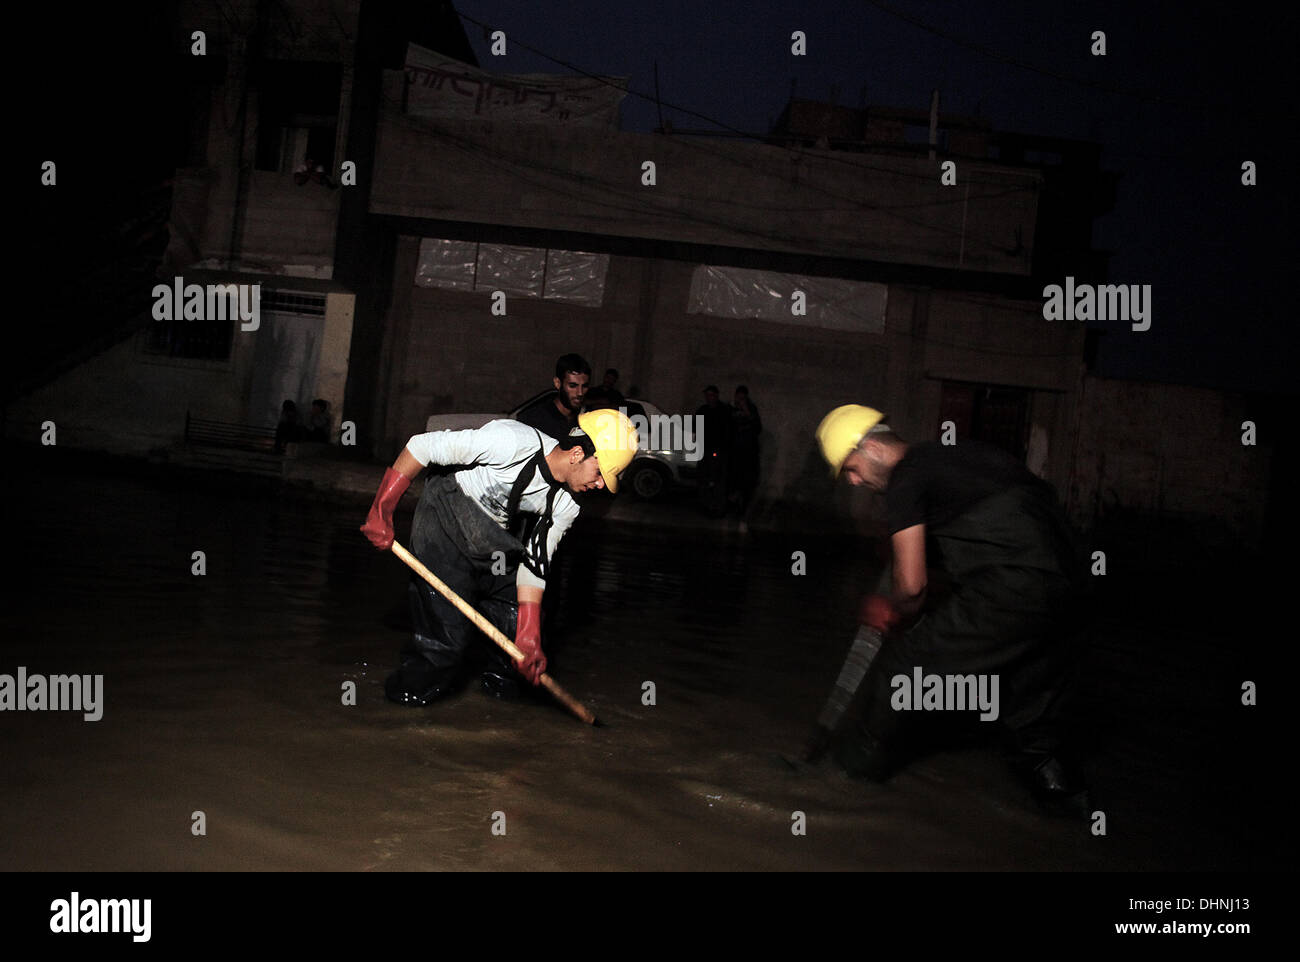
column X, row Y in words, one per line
column 224, row 694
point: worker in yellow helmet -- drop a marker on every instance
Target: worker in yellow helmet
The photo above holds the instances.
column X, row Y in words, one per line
column 1000, row 642
column 489, row 531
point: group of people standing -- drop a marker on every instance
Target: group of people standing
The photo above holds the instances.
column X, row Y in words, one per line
column 729, row 470
column 292, row 429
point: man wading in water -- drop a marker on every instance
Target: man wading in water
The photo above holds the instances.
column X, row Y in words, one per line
column 489, row 531
column 1017, row 584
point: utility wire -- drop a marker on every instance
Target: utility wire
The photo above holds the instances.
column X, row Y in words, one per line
column 827, row 156
column 992, row 54
column 972, row 237
column 637, row 203
column 952, row 196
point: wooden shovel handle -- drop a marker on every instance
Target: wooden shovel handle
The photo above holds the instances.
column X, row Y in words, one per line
column 491, row 630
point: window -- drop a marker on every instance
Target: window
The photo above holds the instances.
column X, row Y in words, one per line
column 987, row 412
column 293, row 302
column 574, row 277
column 198, row 339
column 828, row 302
column 298, row 107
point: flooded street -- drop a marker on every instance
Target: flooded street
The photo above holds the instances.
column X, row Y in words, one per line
column 223, row 694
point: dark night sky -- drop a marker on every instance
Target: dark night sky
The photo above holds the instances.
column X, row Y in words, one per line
column 1186, row 92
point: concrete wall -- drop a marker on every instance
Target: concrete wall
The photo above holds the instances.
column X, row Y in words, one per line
column 445, row 352
column 336, row 343
column 1168, row 450
column 286, row 228
column 752, row 196
column 129, row 402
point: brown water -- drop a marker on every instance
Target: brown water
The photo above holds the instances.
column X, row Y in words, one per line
column 222, row 694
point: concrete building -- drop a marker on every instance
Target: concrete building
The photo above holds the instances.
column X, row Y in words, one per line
column 923, row 297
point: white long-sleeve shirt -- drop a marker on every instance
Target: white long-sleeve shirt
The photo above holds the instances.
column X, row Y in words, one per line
column 493, row 456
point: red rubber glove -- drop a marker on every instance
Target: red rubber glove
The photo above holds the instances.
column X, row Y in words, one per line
column 528, row 639
column 878, row 612
column 379, row 522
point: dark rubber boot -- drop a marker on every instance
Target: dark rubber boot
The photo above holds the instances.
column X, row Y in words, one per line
column 1058, row 785
column 863, row 755
column 499, row 679
column 423, row 676
column 430, row 661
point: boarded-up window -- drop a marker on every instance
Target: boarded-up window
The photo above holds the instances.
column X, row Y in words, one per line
column 771, row 296
column 515, row 270
column 574, row 277
column 446, row 263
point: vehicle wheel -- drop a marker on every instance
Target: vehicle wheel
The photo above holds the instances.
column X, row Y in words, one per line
column 649, row 481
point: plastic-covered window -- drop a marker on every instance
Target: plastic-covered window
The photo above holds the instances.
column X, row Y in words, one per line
column 574, row 277
column 788, row 298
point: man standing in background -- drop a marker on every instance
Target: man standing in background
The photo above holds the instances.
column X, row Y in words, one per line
column 714, row 418
column 557, row 416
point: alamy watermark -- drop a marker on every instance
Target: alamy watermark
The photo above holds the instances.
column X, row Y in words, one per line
column 921, row 692
column 665, row 433
column 1100, row 302
column 661, row 433
column 210, row 302
column 76, row 915
column 83, row 693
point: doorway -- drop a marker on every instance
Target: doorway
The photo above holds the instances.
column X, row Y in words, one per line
column 988, row 412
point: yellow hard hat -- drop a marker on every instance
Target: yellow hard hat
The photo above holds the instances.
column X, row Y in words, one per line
column 841, row 430
column 616, row 441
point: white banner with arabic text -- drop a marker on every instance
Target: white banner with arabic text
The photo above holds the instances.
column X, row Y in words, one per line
column 447, row 89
